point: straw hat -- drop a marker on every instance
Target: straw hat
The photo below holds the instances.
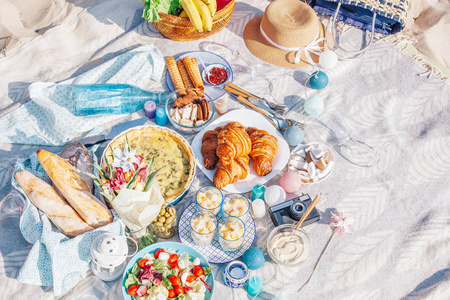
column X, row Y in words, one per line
column 287, row 27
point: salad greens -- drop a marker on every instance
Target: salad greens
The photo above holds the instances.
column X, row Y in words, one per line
column 153, row 7
column 167, row 275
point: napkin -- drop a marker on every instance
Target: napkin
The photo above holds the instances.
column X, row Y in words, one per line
column 49, row 118
column 138, row 209
column 54, row 260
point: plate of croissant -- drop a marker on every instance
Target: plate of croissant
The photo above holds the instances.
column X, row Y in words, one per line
column 236, row 155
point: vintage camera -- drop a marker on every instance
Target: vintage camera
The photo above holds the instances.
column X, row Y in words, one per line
column 291, row 211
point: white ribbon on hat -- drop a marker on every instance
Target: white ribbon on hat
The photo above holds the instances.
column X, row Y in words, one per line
column 308, row 49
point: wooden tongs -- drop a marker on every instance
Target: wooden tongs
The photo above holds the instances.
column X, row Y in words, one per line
column 280, row 122
column 236, row 90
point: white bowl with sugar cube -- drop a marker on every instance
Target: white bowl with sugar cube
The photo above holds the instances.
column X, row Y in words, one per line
column 314, row 162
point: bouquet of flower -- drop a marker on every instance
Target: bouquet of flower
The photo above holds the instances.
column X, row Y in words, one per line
column 127, row 171
column 130, row 186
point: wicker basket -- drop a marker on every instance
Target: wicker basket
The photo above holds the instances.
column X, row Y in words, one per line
column 181, row 29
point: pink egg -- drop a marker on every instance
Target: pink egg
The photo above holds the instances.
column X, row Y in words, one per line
column 290, row 182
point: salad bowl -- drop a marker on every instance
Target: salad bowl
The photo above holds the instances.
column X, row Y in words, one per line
column 179, row 248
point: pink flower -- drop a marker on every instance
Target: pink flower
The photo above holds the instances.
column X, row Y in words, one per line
column 143, row 174
column 341, row 223
column 120, row 176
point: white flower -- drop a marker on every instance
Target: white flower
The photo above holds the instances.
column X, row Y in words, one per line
column 125, row 159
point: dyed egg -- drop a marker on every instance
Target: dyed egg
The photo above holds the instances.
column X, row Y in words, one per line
column 293, row 135
column 328, row 59
column 314, row 106
column 254, row 258
column 318, row 80
column 290, row 182
column 274, row 194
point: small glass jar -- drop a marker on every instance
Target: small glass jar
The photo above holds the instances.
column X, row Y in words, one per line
column 143, row 237
column 235, row 274
column 231, row 234
column 236, row 205
column 165, row 224
column 203, row 227
column 209, row 198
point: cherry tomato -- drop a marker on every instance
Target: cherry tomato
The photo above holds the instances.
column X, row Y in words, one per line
column 158, row 252
column 142, row 262
column 175, row 265
column 179, row 290
column 173, row 258
column 198, row 271
column 187, row 289
column 174, row 280
column 171, row 293
column 190, row 278
column 132, row 290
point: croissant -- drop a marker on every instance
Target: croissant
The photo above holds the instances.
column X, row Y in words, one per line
column 233, row 141
column 264, row 148
column 230, row 171
column 209, row 147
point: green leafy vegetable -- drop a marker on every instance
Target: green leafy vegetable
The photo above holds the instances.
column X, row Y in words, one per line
column 207, row 270
column 168, row 273
column 135, row 270
column 159, row 264
column 152, row 8
column 131, row 280
column 167, row 282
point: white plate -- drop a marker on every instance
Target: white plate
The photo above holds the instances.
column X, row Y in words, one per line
column 248, row 118
column 207, row 58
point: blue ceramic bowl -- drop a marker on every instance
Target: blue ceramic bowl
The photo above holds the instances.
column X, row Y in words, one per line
column 179, row 248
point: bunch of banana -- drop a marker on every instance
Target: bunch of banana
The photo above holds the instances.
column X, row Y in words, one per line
column 200, row 12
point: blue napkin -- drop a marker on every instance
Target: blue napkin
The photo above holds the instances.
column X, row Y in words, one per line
column 49, row 118
column 54, row 260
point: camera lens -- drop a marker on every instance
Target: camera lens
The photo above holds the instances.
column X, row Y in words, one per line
column 297, row 209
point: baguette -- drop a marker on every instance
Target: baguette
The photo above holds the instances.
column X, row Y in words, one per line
column 74, row 189
column 45, row 198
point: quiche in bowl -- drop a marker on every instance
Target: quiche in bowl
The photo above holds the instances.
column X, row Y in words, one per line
column 171, row 151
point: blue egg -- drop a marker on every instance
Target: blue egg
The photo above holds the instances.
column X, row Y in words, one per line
column 313, row 106
column 318, row 80
column 294, row 135
column 254, row 258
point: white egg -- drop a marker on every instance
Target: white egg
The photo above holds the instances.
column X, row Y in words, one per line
column 181, row 264
column 163, row 256
column 196, row 261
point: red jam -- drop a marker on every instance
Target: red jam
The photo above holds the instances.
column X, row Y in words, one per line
column 217, row 76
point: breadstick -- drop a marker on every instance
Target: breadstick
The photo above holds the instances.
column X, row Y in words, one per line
column 175, row 75
column 185, row 76
column 194, row 72
column 194, row 61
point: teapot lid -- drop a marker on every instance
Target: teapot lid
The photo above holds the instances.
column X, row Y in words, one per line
column 109, row 250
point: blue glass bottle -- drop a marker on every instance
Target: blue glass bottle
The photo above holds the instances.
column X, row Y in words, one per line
column 111, row 99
